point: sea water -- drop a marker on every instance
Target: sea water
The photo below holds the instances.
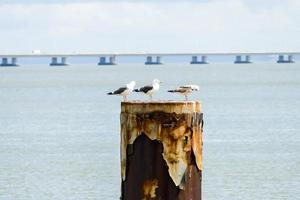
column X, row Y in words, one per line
column 60, row 132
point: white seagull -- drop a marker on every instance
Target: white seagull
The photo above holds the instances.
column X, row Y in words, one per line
column 185, row 90
column 150, row 90
column 124, row 91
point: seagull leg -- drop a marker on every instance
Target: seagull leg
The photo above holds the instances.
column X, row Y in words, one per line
column 125, row 98
column 151, row 97
column 186, row 98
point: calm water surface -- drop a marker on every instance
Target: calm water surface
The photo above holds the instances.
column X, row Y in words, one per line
column 59, row 132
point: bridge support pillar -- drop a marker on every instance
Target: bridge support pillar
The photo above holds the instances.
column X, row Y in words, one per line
column 5, row 62
column 196, row 61
column 111, row 60
column 151, row 61
column 240, row 59
column 55, row 61
column 285, row 59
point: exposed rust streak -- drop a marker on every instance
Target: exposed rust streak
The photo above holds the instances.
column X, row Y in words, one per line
column 146, row 163
column 149, row 188
column 175, row 124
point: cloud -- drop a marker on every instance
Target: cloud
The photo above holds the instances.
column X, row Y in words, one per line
column 176, row 26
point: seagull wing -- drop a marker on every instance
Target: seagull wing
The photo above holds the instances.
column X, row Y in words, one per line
column 118, row 91
column 179, row 90
column 192, row 87
column 185, row 87
column 146, row 89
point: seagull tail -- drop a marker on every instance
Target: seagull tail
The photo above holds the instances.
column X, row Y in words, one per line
column 110, row 93
column 171, row 90
column 136, row 90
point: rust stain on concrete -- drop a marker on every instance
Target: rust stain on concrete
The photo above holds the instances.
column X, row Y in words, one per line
column 177, row 125
column 149, row 188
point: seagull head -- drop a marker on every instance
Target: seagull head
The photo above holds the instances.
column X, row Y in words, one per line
column 156, row 81
column 195, row 87
column 131, row 85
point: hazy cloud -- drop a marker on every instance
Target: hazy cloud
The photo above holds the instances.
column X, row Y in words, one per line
column 232, row 25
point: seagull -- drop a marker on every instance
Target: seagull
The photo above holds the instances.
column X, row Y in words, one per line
column 150, row 90
column 124, row 91
column 185, row 90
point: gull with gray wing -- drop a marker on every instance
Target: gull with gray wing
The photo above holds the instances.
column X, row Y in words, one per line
column 150, row 89
column 185, row 90
column 124, row 91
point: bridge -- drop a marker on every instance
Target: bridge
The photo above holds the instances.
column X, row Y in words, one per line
column 152, row 58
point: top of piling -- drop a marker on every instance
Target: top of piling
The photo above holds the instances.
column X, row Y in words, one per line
column 165, row 106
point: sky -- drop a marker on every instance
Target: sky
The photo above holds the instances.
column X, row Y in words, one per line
column 149, row 26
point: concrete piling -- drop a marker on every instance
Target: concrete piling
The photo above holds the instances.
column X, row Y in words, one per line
column 55, row 61
column 150, row 60
column 14, row 61
column 5, row 62
column 285, row 59
column 242, row 59
column 196, row 61
column 111, row 60
column 161, row 150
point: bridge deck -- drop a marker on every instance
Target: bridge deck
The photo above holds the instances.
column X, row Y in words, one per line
column 143, row 54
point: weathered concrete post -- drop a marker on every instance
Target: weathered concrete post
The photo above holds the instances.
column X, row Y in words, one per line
column 161, row 150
